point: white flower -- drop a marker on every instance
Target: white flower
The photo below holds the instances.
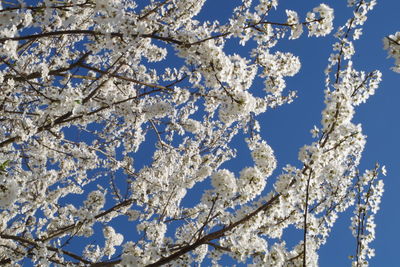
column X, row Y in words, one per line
column 9, row 49
column 130, row 260
column 320, row 25
column 113, row 239
column 158, row 110
column 9, row 191
column 392, row 44
column 224, row 182
column 296, row 26
column 250, row 183
column 383, row 170
column 263, row 156
column 155, row 231
column 92, row 252
column 192, row 126
column 237, row 105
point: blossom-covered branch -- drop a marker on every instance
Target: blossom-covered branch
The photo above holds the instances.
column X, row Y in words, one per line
column 115, row 112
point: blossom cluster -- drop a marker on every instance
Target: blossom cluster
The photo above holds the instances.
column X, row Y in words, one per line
column 391, row 43
column 369, row 194
column 320, row 20
column 295, row 25
column 9, row 191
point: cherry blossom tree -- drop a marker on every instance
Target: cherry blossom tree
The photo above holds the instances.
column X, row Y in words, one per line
column 83, row 92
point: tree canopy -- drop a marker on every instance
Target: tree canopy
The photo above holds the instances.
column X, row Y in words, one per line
column 113, row 112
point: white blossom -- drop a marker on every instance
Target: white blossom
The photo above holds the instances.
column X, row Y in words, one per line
column 296, row 26
column 113, row 239
column 321, row 24
column 391, row 43
column 9, row 191
column 264, row 158
column 224, row 182
column 128, row 114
